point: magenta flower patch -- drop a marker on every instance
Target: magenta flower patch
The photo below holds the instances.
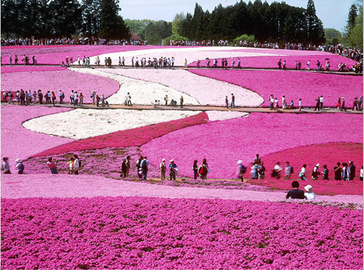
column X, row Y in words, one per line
column 294, row 85
column 19, row 68
column 140, row 233
column 272, row 61
column 64, row 80
column 54, row 55
column 19, row 142
column 224, row 143
column 126, row 138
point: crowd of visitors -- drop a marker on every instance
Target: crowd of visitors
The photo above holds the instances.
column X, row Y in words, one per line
column 342, row 171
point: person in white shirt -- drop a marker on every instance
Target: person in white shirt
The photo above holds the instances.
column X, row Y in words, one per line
column 277, row 171
column 284, row 103
column 302, row 173
column 309, row 195
column 321, row 100
column 299, row 104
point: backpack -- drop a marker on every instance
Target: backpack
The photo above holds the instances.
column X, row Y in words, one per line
column 242, row 169
column 79, row 162
column 203, row 170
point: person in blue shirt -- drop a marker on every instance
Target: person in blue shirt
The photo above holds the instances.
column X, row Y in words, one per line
column 173, row 170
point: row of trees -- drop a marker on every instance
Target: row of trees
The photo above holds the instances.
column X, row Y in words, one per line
column 275, row 22
column 62, row 18
column 353, row 33
column 152, row 31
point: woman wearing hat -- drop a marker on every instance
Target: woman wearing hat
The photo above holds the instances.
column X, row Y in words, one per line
column 315, row 172
column 19, row 166
column 309, row 195
column 162, row 168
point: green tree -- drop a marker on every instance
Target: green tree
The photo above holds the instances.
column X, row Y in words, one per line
column 315, row 27
column 353, row 13
column 177, row 22
column 112, row 25
column 66, row 17
column 332, row 36
column 90, row 17
column 356, row 34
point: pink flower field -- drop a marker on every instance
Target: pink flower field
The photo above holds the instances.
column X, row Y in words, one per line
column 18, row 142
column 272, row 61
column 151, row 233
column 293, row 84
column 54, row 55
column 224, row 143
column 19, row 68
column 127, row 138
column 64, row 80
column 328, row 154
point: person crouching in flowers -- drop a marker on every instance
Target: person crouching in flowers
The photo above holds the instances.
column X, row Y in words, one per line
column 302, row 174
column 309, row 195
column 71, row 165
column 173, row 170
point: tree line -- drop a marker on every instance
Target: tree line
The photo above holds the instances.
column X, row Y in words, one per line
column 277, row 22
column 62, row 18
column 353, row 33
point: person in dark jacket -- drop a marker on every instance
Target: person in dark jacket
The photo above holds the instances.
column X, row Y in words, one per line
column 295, row 193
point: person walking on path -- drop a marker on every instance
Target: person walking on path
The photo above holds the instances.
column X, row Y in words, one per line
column 163, row 168
column 302, row 174
column 288, row 171
column 173, row 170
column 138, row 167
column 195, row 169
column 325, row 173
column 181, row 100
column 5, row 166
column 315, row 172
column 52, row 165
column 352, row 170
column 19, row 166
column 204, row 169
column 123, row 168
column 241, row 170
column 261, row 171
column 317, row 107
column 299, row 104
column 277, row 171
column 144, row 166
column 77, row 164
column 232, row 100
column 337, row 171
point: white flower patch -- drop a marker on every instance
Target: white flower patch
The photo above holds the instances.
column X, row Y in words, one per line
column 221, row 115
column 180, row 54
column 206, row 91
column 141, row 92
column 85, row 123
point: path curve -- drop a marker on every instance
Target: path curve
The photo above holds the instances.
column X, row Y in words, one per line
column 71, row 186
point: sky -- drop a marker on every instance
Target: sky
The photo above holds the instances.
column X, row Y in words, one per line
column 333, row 13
